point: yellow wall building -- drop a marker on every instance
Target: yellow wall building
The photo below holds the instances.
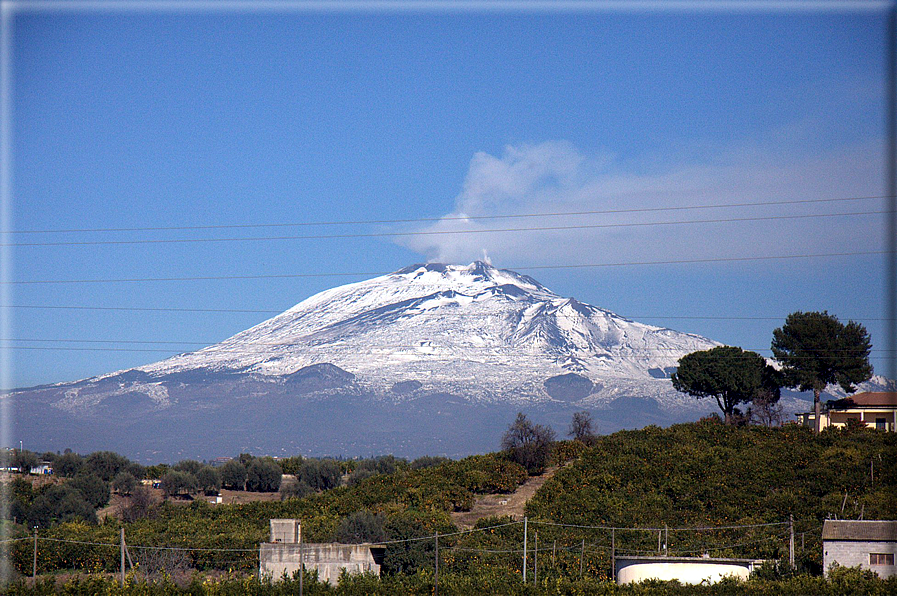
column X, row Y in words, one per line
column 875, row 409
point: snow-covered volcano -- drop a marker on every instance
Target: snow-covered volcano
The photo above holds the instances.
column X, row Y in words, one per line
column 429, row 359
column 475, row 330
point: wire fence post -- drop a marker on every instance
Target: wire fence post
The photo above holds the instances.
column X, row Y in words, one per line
column 524, row 548
column 34, row 562
column 666, row 540
column 791, row 540
column 436, row 593
column 122, row 557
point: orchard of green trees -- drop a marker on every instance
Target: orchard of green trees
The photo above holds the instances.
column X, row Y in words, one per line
column 704, row 474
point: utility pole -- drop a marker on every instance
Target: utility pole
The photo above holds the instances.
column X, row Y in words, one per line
column 301, row 562
column 524, row 549
column 436, row 593
column 791, row 541
column 34, row 563
column 122, row 557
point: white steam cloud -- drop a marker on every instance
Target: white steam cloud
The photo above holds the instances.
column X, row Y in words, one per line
column 554, row 177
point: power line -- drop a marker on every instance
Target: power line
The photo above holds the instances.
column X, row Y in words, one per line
column 444, row 314
column 446, row 218
column 284, row 344
column 681, row 529
column 432, row 357
column 438, row 232
column 379, row 273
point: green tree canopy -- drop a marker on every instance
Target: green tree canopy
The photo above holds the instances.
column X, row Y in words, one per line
column 94, row 489
column 320, row 474
column 263, row 475
column 176, row 482
column 24, row 460
column 817, row 350
column 209, row 480
column 105, row 464
column 728, row 374
column 124, row 483
column 68, row 464
column 233, row 475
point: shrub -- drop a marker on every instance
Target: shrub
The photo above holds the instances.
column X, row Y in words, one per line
column 60, row 503
column 124, row 483
column 94, row 489
column 295, row 490
column 428, row 461
column 140, row 505
column 361, row 526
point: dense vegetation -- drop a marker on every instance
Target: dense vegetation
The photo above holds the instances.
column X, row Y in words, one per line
column 843, row 582
column 710, row 474
column 411, row 502
column 703, row 474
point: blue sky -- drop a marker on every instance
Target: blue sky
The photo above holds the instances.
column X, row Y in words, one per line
column 156, row 119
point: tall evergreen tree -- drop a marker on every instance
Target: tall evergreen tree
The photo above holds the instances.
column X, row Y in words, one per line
column 730, row 375
column 817, row 350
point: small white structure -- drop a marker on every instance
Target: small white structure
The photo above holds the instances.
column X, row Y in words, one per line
column 686, row 570
column 43, row 468
column 285, row 554
column 868, row 544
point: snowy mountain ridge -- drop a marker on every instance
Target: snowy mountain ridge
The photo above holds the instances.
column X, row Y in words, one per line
column 475, row 328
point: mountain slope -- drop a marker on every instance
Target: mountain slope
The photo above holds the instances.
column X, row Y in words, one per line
column 491, row 334
column 429, row 359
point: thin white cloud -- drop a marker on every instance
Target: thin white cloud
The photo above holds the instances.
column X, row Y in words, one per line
column 555, row 177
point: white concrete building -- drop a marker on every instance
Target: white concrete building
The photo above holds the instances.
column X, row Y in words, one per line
column 286, row 554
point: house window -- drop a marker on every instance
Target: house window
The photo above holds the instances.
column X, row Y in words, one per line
column 881, row 558
column 880, row 424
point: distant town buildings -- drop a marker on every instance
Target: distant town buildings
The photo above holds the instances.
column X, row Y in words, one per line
column 874, row 409
column 870, row 544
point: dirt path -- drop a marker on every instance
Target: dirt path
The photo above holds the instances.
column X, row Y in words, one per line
column 512, row 504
